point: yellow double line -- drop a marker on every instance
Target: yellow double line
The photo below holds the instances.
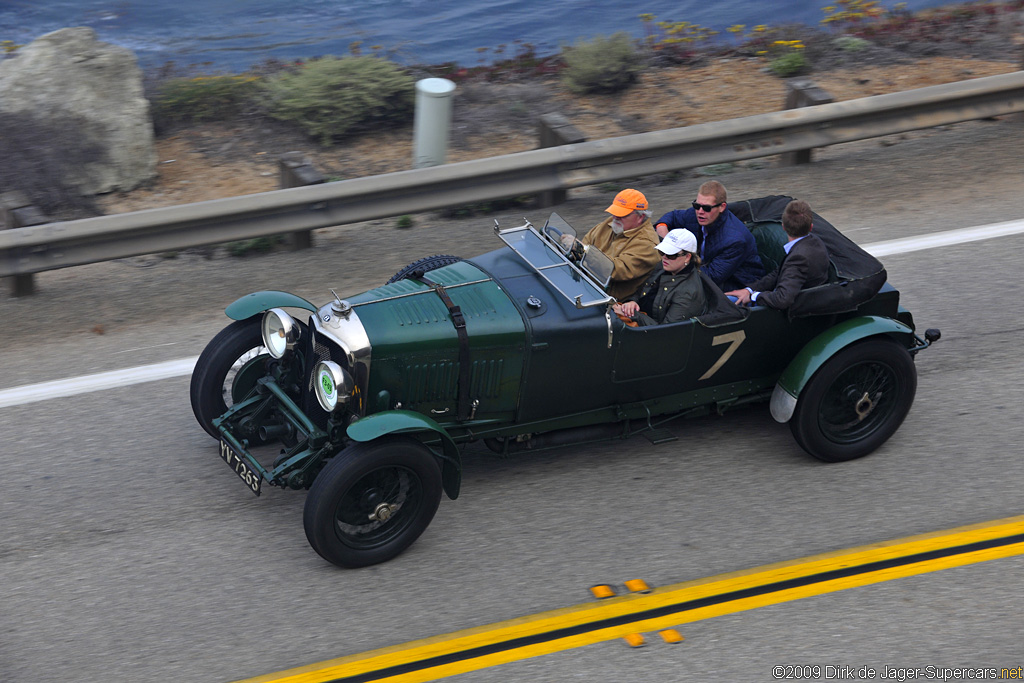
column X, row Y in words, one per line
column 661, row 608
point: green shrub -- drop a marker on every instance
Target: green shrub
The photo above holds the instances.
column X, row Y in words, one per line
column 790, row 64
column 256, row 245
column 330, row 97
column 851, row 43
column 485, row 208
column 715, row 170
column 404, row 221
column 204, row 98
column 603, row 65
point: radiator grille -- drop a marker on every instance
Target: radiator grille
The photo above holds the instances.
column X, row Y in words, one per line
column 313, row 353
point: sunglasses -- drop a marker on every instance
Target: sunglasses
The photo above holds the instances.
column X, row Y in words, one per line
column 673, row 257
column 706, row 208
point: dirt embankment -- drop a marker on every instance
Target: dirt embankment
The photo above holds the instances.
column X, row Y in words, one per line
column 211, row 161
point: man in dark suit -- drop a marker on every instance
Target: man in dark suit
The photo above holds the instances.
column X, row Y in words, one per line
column 805, row 264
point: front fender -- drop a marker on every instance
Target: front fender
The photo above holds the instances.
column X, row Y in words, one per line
column 406, row 422
column 814, row 354
column 258, row 302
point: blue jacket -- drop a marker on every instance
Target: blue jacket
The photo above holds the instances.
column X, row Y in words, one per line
column 730, row 252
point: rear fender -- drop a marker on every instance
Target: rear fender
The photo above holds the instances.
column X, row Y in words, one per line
column 258, row 302
column 817, row 351
column 408, row 422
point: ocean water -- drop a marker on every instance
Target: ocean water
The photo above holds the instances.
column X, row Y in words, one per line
column 229, row 35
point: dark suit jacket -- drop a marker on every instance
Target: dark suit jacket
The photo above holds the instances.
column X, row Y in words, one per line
column 805, row 266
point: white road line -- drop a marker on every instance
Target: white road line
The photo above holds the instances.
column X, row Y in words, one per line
column 183, row 366
column 944, row 239
column 98, row 382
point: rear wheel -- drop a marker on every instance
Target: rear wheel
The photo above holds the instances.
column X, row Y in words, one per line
column 425, row 265
column 855, row 401
column 372, row 501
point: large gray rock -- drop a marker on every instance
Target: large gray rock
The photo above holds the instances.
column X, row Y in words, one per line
column 69, row 75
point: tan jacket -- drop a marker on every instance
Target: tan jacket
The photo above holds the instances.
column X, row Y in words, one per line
column 633, row 253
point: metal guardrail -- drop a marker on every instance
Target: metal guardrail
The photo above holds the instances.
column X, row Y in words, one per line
column 59, row 245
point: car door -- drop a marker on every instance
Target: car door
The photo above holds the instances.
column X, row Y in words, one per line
column 719, row 362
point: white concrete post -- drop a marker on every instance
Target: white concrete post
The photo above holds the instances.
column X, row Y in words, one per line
column 432, row 121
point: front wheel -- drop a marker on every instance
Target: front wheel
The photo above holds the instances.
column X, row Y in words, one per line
column 372, row 501
column 855, row 401
column 226, row 370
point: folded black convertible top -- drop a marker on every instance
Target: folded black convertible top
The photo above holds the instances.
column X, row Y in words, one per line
column 855, row 275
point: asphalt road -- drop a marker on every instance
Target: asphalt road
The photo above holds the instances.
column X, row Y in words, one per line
column 130, row 553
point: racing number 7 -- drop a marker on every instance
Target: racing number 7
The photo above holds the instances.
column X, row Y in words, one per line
column 733, row 339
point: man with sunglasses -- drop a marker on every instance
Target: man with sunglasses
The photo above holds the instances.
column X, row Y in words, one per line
column 725, row 245
column 628, row 239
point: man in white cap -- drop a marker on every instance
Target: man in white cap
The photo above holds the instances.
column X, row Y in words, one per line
column 628, row 239
column 674, row 291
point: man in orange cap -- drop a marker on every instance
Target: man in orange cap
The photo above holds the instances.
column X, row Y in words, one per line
column 628, row 239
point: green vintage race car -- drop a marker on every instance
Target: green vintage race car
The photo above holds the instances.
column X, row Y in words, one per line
column 369, row 402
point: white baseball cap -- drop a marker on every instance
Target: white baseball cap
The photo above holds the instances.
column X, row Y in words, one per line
column 678, row 240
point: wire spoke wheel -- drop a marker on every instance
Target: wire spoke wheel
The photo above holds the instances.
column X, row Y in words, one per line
column 379, row 507
column 242, row 375
column 855, row 401
column 860, row 399
column 372, row 501
column 226, row 370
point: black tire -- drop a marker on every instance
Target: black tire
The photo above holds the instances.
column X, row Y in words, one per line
column 237, row 346
column 855, row 401
column 340, row 508
column 425, row 265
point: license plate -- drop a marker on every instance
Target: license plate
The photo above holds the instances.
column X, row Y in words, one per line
column 241, row 467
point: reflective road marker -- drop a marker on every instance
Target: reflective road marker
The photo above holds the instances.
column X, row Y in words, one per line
column 665, row 607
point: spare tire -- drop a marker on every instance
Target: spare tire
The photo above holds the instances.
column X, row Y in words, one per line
column 424, row 265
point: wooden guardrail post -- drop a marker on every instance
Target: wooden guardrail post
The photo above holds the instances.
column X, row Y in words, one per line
column 296, row 171
column 802, row 93
column 554, row 130
column 16, row 211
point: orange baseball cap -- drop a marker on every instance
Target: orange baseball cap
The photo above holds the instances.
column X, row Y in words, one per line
column 626, row 202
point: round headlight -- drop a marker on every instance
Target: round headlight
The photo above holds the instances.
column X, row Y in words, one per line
column 280, row 332
column 333, row 384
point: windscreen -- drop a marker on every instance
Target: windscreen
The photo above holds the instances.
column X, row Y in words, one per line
column 551, row 263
